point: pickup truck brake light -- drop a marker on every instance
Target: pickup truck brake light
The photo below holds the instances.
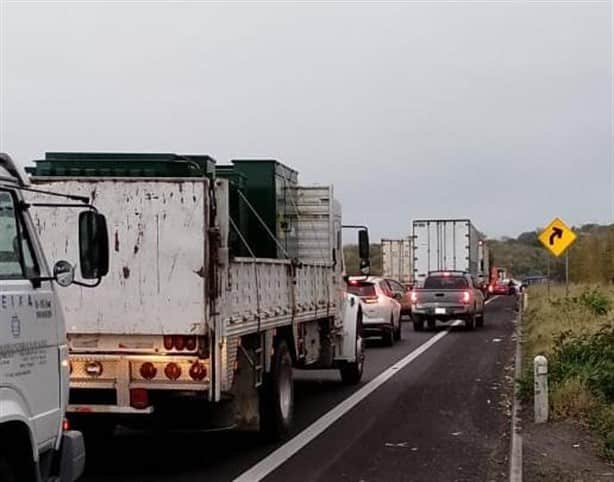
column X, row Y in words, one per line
column 413, row 297
column 466, row 297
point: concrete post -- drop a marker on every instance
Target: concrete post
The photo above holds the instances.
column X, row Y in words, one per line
column 525, row 300
column 540, row 375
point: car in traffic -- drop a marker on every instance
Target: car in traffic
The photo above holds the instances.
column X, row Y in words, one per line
column 381, row 312
column 499, row 287
column 447, row 296
column 402, row 294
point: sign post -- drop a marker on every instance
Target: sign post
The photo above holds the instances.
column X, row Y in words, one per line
column 557, row 238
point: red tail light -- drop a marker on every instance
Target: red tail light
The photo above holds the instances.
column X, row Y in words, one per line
column 139, row 398
column 190, row 343
column 466, row 297
column 172, row 371
column 179, row 342
column 413, row 297
column 148, row 370
column 65, row 425
column 490, row 288
column 370, row 299
column 168, row 342
column 198, row 371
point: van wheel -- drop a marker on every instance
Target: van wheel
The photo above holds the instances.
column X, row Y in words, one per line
column 6, row 471
column 277, row 395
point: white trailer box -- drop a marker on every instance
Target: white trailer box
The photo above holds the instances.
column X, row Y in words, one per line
column 396, row 259
column 444, row 245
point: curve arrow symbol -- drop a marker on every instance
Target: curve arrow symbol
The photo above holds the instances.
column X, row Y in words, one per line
column 556, row 233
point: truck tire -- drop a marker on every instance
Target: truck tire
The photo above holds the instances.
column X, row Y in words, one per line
column 470, row 322
column 277, row 395
column 351, row 372
column 6, row 471
column 432, row 323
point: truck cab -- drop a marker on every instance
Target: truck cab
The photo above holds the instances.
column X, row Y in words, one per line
column 34, row 366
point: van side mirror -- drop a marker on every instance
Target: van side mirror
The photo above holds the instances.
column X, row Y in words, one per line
column 93, row 245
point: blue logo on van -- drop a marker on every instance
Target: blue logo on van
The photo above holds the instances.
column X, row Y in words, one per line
column 15, row 326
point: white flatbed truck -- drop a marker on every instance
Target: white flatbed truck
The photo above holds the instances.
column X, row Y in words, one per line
column 182, row 332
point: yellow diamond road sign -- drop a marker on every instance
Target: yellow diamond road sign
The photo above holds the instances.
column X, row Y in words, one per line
column 557, row 237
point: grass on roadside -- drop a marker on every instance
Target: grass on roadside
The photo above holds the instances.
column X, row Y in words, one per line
column 576, row 334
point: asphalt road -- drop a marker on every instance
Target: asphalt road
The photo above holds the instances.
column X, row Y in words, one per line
column 444, row 416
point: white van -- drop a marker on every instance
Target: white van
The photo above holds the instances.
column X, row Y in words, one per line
column 34, row 366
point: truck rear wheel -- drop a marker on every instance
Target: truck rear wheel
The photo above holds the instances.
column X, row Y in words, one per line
column 277, row 395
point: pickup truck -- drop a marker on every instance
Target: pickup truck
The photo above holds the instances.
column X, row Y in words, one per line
column 446, row 296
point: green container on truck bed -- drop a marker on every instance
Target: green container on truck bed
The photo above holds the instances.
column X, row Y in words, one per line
column 238, row 209
column 103, row 164
column 269, row 188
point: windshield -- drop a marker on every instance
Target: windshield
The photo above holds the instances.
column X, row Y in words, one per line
column 445, row 283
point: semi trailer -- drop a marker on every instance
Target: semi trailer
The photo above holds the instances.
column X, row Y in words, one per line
column 447, row 245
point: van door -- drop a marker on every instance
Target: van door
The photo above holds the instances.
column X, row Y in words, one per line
column 29, row 334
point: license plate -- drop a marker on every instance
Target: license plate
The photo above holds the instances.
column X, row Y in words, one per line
column 440, row 311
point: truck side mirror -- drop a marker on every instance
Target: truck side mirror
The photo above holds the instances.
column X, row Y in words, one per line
column 93, row 245
column 363, row 251
column 363, row 244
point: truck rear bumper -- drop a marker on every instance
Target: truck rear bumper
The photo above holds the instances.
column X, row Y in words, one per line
column 118, row 377
column 116, row 409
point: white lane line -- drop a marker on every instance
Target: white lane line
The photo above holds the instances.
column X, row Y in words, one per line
column 516, row 445
column 283, row 453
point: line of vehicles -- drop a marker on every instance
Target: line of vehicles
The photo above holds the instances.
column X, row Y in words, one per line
column 202, row 287
column 212, row 283
column 446, row 270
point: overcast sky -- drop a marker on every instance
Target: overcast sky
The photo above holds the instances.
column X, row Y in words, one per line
column 501, row 112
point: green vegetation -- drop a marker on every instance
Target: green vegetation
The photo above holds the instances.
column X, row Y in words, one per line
column 591, row 258
column 350, row 253
column 576, row 334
